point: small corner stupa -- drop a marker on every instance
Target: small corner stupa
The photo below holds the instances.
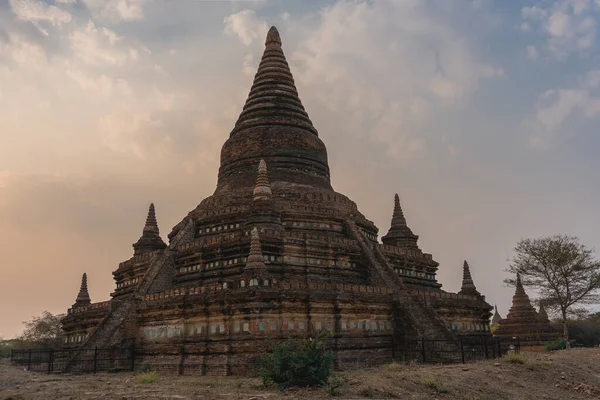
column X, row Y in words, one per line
column 525, row 324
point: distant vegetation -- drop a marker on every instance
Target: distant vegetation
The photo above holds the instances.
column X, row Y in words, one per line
column 564, row 272
column 297, row 362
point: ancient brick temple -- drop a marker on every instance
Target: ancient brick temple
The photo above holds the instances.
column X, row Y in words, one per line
column 533, row 329
column 274, row 252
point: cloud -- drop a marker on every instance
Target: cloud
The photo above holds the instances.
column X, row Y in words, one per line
column 532, row 53
column 38, row 12
column 389, row 66
column 117, row 10
column 100, row 46
column 570, row 26
column 246, row 26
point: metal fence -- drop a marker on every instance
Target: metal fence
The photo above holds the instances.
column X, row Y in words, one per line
column 464, row 350
column 73, row 360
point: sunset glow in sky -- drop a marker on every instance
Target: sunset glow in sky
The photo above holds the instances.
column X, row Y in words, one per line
column 483, row 115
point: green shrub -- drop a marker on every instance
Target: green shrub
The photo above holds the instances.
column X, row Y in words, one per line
column 297, row 363
column 147, row 377
column 515, row 358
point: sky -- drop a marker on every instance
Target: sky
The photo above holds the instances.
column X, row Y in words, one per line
column 482, row 115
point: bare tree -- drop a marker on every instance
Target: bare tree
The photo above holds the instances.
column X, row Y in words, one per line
column 562, row 270
column 44, row 329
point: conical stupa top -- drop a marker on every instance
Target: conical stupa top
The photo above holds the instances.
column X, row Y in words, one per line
column 151, row 224
column 520, row 291
column 273, row 98
column 273, row 38
column 468, row 287
column 83, row 297
column 274, row 126
column 496, row 318
column 399, row 234
column 262, row 190
column 398, row 215
column 150, row 239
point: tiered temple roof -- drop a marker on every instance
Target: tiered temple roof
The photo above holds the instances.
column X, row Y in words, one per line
column 523, row 321
column 275, row 250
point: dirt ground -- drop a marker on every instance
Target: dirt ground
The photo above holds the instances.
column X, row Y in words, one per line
column 573, row 374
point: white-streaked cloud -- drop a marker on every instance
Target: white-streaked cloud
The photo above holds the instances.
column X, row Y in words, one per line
column 100, row 46
column 431, row 65
column 38, row 13
column 246, row 26
column 117, row 10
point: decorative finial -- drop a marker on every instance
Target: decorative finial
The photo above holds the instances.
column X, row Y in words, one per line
column 398, row 215
column 151, row 224
column 262, row 190
column 468, row 287
column 520, row 291
column 83, row 297
column 273, row 37
column 150, row 239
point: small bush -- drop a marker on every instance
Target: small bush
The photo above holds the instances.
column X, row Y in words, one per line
column 555, row 345
column 546, row 363
column 297, row 363
column 147, row 377
column 394, row 366
column 431, row 383
column 514, row 358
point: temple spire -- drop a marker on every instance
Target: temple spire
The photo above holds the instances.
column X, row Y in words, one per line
column 399, row 234
column 255, row 268
column 468, row 287
column 273, row 98
column 83, row 297
column 151, row 224
column 398, row 216
column 519, row 290
column 262, row 190
column 150, row 239
column 273, row 126
column 496, row 318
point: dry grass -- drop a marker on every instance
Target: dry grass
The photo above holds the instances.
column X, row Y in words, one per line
column 571, row 374
column 147, row 377
column 515, row 358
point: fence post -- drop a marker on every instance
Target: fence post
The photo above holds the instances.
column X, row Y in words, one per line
column 29, row 361
column 95, row 359
column 485, row 349
column 462, row 350
column 132, row 353
column 423, row 356
column 50, row 360
column 11, row 355
column 498, row 347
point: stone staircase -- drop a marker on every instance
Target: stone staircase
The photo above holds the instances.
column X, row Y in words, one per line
column 119, row 324
column 424, row 319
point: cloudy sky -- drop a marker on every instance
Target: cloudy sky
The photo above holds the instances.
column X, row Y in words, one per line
column 483, row 115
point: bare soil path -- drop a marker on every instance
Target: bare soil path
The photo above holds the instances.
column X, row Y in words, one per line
column 573, row 374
